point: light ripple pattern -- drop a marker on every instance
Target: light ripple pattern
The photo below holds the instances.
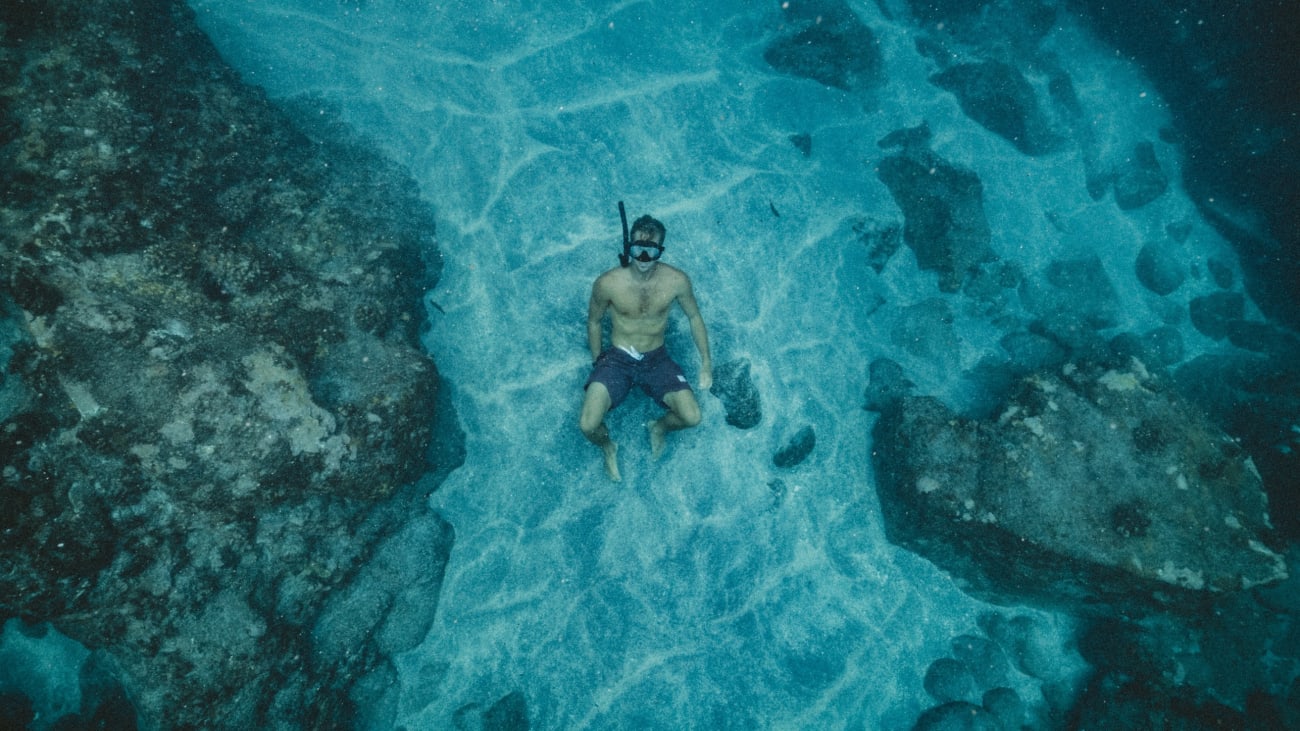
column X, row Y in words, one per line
column 694, row 595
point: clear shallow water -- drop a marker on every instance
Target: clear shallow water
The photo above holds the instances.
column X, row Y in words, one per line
column 711, row 589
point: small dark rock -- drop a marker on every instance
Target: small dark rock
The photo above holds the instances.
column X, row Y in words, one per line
column 886, row 384
column 734, row 387
column 1158, row 348
column 1213, row 313
column 1007, row 705
column 1158, row 270
column 1072, row 291
column 803, row 143
column 779, row 490
column 797, row 449
column 907, row 139
column 987, row 664
column 508, row 714
column 949, row 680
column 1140, row 180
column 1179, row 231
column 34, row 294
column 1221, row 273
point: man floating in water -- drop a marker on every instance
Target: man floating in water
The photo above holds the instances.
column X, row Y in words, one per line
column 638, row 295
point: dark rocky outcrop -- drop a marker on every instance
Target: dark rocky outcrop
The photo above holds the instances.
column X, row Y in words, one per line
column 1092, row 489
column 943, row 208
column 734, row 387
column 1229, row 84
column 999, row 98
column 1139, row 179
column 1256, row 397
column 826, row 42
column 215, row 405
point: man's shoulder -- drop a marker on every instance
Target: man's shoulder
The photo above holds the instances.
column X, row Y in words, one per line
column 677, row 276
column 609, row 275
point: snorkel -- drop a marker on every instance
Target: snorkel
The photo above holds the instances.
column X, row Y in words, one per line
column 625, row 258
column 645, row 224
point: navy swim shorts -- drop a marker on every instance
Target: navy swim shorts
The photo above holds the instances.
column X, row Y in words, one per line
column 654, row 372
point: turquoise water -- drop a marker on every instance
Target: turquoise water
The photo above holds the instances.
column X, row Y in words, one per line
column 710, row 589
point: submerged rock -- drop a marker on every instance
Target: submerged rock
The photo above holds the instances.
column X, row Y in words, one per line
column 734, row 387
column 998, row 97
column 1073, row 300
column 887, row 383
column 828, row 44
column 215, row 387
column 943, row 208
column 797, row 449
column 1139, row 179
column 1213, row 314
column 1092, row 488
column 949, row 680
column 1158, row 268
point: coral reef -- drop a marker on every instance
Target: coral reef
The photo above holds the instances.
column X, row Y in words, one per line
column 214, row 394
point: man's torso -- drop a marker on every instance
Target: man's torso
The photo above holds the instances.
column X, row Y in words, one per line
column 639, row 309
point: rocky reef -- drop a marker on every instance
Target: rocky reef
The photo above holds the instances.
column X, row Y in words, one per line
column 214, row 409
column 1105, row 494
column 1092, row 488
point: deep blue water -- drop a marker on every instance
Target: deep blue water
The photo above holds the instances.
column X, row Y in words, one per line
column 711, row 589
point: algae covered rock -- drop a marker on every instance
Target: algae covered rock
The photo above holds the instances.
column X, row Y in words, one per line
column 1090, row 488
column 214, row 393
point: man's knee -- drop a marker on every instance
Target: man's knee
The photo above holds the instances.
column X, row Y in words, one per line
column 590, row 423
column 687, row 409
column 594, row 407
column 691, row 417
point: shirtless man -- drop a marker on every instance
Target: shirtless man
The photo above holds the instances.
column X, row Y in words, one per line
column 638, row 295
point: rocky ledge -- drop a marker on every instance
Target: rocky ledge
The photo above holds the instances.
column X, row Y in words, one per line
column 214, row 401
column 1092, row 489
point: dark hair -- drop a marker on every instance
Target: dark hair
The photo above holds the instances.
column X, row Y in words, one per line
column 650, row 225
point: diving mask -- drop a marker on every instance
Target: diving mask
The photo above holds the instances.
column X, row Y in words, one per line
column 645, row 251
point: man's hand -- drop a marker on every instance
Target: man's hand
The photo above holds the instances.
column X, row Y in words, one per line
column 706, row 380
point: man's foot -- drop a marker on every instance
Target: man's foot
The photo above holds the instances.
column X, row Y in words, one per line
column 611, row 461
column 657, row 438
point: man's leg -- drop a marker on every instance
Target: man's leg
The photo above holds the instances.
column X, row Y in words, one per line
column 592, row 421
column 683, row 413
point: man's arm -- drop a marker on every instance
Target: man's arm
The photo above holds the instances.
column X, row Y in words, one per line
column 596, row 307
column 699, row 333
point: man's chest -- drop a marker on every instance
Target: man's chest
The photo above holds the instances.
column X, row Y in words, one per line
column 642, row 301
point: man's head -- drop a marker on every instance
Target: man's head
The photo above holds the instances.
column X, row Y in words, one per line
column 648, row 228
column 646, row 242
